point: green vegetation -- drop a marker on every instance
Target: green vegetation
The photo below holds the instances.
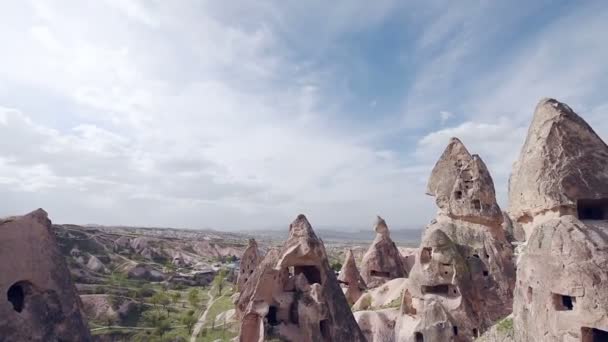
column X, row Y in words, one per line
column 219, row 281
column 222, row 304
column 336, row 266
column 505, row 326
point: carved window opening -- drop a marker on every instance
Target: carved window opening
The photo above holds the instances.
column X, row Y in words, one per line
column 380, row 274
column 17, row 294
column 425, row 255
column 458, row 194
column 272, row 316
column 563, row 303
column 455, row 329
column 529, row 294
column 475, row 332
column 443, row 289
column 593, row 335
column 312, row 273
column 418, row 337
column 477, row 204
column 485, row 273
column 591, row 209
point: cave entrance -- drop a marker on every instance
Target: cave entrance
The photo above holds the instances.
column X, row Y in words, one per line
column 17, row 293
column 380, row 274
column 312, row 273
column 272, row 316
column 563, row 303
column 418, row 337
column 592, row 209
column 437, row 289
column 425, row 255
column 593, row 335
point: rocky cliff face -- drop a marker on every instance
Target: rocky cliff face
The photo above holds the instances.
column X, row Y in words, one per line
column 42, row 304
column 249, row 262
column 294, row 294
column 351, row 279
column 561, row 168
column 559, row 191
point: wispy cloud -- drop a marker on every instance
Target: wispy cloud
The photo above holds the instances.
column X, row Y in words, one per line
column 245, row 114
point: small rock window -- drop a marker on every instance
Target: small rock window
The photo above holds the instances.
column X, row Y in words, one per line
column 591, row 209
column 272, row 316
column 418, row 337
column 380, row 274
column 425, row 255
column 485, row 273
column 17, row 294
column 563, row 303
column 477, row 204
column 475, row 332
column 530, row 294
column 458, row 194
column 455, row 329
column 437, row 289
column 593, row 335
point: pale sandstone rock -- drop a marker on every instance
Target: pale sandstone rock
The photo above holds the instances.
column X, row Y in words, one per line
column 42, row 302
column 249, row 261
column 463, row 277
column 294, row 295
column 95, row 265
column 382, row 296
column 382, row 261
column 378, row 326
column 562, row 166
column 562, row 282
column 351, row 279
column 409, row 257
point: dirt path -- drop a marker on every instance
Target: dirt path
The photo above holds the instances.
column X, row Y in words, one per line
column 201, row 320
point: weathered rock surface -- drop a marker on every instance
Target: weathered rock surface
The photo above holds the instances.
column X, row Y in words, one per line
column 249, row 262
column 294, row 294
column 351, row 279
column 145, row 272
column 42, row 302
column 463, row 276
column 378, row 325
column 562, row 282
column 382, row 261
column 95, row 265
column 561, row 168
column 386, row 295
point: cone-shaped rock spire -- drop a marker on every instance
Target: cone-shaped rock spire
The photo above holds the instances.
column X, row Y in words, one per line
column 562, row 163
column 249, row 262
column 382, row 261
column 351, row 278
column 463, row 187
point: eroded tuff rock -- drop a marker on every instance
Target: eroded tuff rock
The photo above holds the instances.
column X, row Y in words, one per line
column 351, row 279
column 561, row 168
column 40, row 302
column 562, row 276
column 382, row 261
column 294, row 295
column 463, row 276
column 249, row 262
column 562, row 282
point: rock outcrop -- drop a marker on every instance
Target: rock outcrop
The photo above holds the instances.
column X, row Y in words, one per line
column 382, row 261
column 294, row 294
column 249, row 262
column 561, row 169
column 559, row 190
column 463, row 276
column 351, row 279
column 41, row 301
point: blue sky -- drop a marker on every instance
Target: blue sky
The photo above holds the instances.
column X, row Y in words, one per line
column 242, row 114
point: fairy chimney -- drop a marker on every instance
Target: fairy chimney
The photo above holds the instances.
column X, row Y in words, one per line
column 382, row 261
column 249, row 262
column 559, row 192
column 561, row 169
column 41, row 303
column 351, row 279
column 294, row 294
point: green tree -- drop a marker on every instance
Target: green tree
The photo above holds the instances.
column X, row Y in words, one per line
column 175, row 297
column 165, row 301
column 336, row 266
column 189, row 320
column 219, row 281
column 162, row 327
column 193, row 297
column 156, row 299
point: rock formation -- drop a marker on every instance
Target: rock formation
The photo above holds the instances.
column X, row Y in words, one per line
column 559, row 191
column 40, row 303
column 294, row 295
column 249, row 262
column 463, row 276
column 382, row 261
column 351, row 278
column 561, row 169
